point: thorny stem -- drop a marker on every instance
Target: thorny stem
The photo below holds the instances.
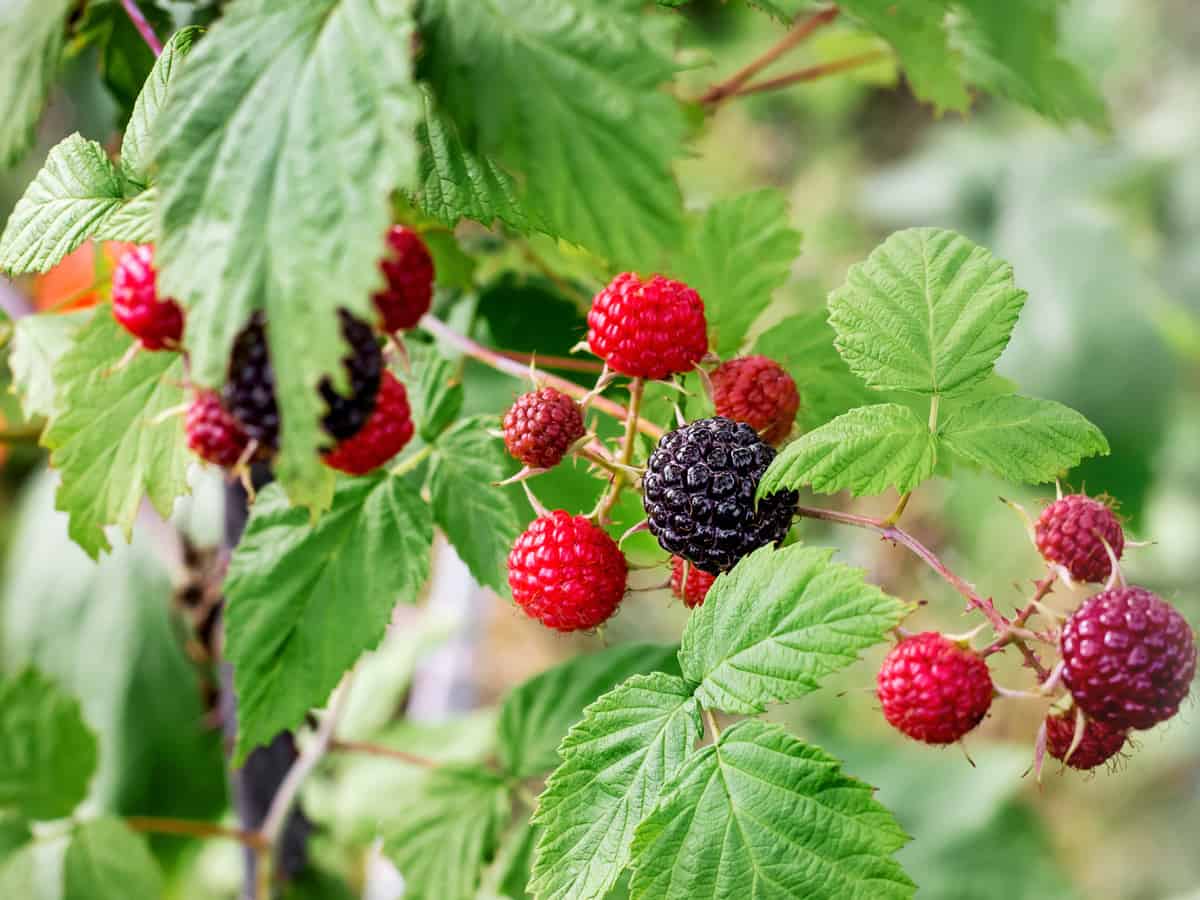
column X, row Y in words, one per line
column 813, row 73
column 190, row 828
column 143, row 26
column 386, row 752
column 565, row 363
column 501, row 363
column 636, row 390
column 1007, row 635
column 596, row 459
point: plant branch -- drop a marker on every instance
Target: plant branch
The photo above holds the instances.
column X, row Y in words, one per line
column 813, row 73
column 369, row 749
column 632, row 417
column 143, row 26
column 565, row 363
column 190, row 828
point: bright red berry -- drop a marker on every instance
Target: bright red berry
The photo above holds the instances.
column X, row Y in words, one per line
column 933, row 689
column 541, row 426
column 688, row 583
column 155, row 321
column 1068, row 533
column 1099, row 743
column 567, row 572
column 1128, row 658
column 408, row 268
column 212, row 433
column 648, row 329
column 756, row 390
column 385, row 433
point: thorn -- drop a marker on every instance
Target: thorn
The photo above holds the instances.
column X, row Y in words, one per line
column 247, row 485
column 1064, row 576
column 679, row 418
column 966, row 637
column 538, row 509
column 1048, row 686
column 1025, row 519
column 1077, row 738
column 602, row 382
column 582, row 347
column 643, row 525
column 396, row 347
column 1058, row 494
column 1039, row 752
column 495, row 433
column 1115, row 577
column 1140, row 544
column 170, row 413
column 705, row 382
column 1012, row 694
column 126, row 358
column 963, row 747
column 525, row 473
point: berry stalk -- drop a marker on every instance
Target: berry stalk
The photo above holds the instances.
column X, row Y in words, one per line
column 632, row 417
column 143, row 26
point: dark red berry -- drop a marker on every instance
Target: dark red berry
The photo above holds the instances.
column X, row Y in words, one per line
column 541, row 426
column 408, row 268
column 1099, row 743
column 249, row 392
column 155, row 321
column 212, row 433
column 1128, row 658
column 688, row 583
column 1068, row 533
column 346, row 414
column 385, row 433
column 567, row 572
column 756, row 390
column 934, row 690
column 648, row 329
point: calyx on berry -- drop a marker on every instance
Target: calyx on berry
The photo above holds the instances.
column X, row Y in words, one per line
column 648, row 329
column 1098, row 744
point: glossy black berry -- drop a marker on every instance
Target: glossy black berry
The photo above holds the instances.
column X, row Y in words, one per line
column 249, row 392
column 347, row 413
column 699, row 494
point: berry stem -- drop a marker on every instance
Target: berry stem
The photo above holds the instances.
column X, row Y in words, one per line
column 501, row 363
column 410, row 462
column 636, row 390
column 191, row 828
column 143, row 26
column 813, row 73
column 370, row 749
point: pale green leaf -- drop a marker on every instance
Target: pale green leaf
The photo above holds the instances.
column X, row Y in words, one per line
column 479, row 520
column 736, row 255
column 107, row 861
column 22, row 874
column 762, row 816
column 280, row 142
column 31, row 41
column 436, row 393
column 538, row 713
column 864, row 451
column 133, row 221
column 565, row 93
column 928, row 311
column 456, row 817
column 14, row 834
column 1022, row 438
column 38, row 343
column 47, row 751
column 137, row 150
column 778, row 624
column 107, row 441
column 616, row 760
column 306, row 599
column 508, row 873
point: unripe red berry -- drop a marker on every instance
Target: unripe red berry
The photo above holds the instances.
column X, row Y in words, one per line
column 388, row 429
column 1098, row 745
column 648, row 329
column 155, row 321
column 1069, row 533
column 688, row 583
column 756, row 390
column 212, row 433
column 408, row 268
column 567, row 572
column 541, row 426
column 934, row 690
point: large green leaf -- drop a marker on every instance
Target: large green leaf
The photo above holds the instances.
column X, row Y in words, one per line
column 778, row 624
column 137, row 144
column 736, row 255
column 442, row 847
column 107, row 861
column 279, row 145
column 761, row 815
column 47, row 751
column 14, row 834
column 31, row 41
column 565, row 93
column 106, row 442
column 124, row 58
column 29, row 874
column 306, row 599
column 616, row 760
column 38, row 343
column 928, row 311
column 537, row 714
column 864, row 451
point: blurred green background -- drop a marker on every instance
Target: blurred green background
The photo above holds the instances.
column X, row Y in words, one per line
column 1103, row 230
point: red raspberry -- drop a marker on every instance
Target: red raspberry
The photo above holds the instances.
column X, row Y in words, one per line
column 385, row 433
column 1128, row 658
column 212, row 433
column 648, row 329
column 156, row 322
column 934, row 690
column 1099, row 743
column 1068, row 533
column 690, row 586
column 567, row 572
column 756, row 390
column 408, row 268
column 541, row 426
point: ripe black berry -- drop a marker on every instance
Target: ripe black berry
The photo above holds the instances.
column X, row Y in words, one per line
column 699, row 494
column 347, row 413
column 249, row 392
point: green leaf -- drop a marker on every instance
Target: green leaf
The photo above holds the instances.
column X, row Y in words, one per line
column 438, row 397
column 737, row 255
column 306, row 599
column 76, row 191
column 47, row 751
column 24, row 874
column 864, row 451
column 125, row 60
column 616, row 760
column 567, row 97
column 31, row 42
column 137, row 150
column 928, row 311
column 38, row 343
column 280, row 142
column 778, row 624
column 14, row 834
column 133, row 221
column 106, row 442
column 479, row 520
column 508, row 873
column 457, row 816
column 107, row 861
column 537, row 713
column 1022, row 438
column 761, row 815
